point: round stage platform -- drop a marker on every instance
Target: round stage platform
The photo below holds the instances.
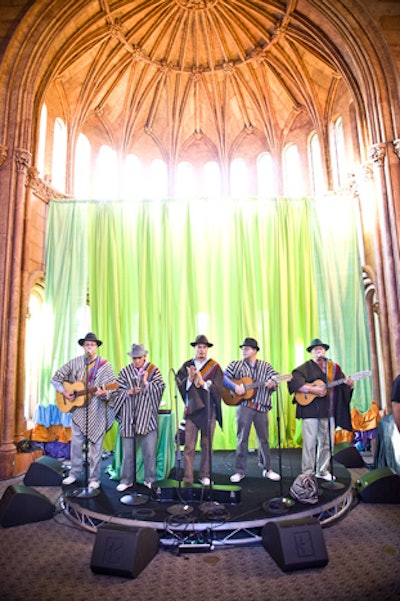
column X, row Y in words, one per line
column 223, row 514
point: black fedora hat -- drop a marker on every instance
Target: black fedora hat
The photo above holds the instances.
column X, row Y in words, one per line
column 90, row 337
column 252, row 342
column 317, row 342
column 201, row 339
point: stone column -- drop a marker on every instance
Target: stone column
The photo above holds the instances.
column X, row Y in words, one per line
column 8, row 450
column 387, row 278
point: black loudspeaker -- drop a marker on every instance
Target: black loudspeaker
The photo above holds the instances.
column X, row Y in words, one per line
column 347, row 455
column 123, row 551
column 379, row 486
column 46, row 471
column 295, row 544
column 22, row 505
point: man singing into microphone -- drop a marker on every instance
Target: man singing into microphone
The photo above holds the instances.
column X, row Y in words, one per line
column 200, row 380
column 315, row 406
column 97, row 373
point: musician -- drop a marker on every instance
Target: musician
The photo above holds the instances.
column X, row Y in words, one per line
column 315, row 411
column 135, row 404
column 199, row 380
column 253, row 410
column 96, row 372
column 387, row 448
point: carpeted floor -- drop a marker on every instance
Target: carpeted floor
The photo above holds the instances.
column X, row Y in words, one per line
column 50, row 560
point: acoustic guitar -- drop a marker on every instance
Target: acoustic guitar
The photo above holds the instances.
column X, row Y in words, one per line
column 79, row 391
column 305, row 398
column 230, row 398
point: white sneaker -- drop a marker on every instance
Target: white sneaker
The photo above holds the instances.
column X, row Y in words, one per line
column 205, row 481
column 121, row 487
column 327, row 476
column 271, row 475
column 236, row 477
column 69, row 480
column 94, row 484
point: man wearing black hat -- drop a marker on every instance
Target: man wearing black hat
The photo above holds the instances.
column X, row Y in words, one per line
column 98, row 373
column 199, row 380
column 315, row 406
column 387, row 447
column 252, row 410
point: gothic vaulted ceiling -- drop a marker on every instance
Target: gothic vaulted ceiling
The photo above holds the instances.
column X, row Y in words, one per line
column 193, row 76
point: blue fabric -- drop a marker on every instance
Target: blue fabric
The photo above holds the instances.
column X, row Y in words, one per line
column 51, row 416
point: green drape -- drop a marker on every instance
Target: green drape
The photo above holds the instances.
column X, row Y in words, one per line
column 162, row 272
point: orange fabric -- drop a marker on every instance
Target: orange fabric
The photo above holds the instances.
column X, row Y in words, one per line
column 43, row 434
column 365, row 421
column 343, row 436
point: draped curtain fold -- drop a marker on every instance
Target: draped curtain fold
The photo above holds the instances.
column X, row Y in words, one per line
column 161, row 272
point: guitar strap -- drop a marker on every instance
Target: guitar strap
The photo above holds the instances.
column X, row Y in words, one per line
column 330, row 374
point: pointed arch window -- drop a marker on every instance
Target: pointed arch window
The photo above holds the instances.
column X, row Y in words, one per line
column 293, row 181
column 239, row 179
column 339, row 169
column 212, row 184
column 266, row 187
column 316, row 169
column 59, row 162
column 158, row 188
column 82, row 167
column 106, row 175
column 40, row 163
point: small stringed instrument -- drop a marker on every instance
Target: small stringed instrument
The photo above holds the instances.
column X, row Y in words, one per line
column 79, row 391
column 230, row 398
column 305, row 398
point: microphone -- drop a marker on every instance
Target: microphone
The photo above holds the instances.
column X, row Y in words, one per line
column 177, row 380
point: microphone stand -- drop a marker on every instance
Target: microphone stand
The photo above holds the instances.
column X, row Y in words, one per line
column 279, row 504
column 135, row 497
column 86, row 492
column 211, row 508
column 331, row 484
column 180, row 508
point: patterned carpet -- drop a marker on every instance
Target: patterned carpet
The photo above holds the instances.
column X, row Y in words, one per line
column 50, row 560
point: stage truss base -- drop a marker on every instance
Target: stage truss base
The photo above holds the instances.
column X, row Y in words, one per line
column 206, row 536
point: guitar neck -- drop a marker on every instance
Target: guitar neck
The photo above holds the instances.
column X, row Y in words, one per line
column 84, row 391
column 336, row 383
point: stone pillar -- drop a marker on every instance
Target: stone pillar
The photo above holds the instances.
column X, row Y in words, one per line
column 10, row 401
column 387, row 277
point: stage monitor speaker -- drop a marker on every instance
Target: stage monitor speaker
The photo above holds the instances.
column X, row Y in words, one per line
column 46, row 471
column 123, row 551
column 295, row 544
column 379, row 486
column 347, row 455
column 22, row 505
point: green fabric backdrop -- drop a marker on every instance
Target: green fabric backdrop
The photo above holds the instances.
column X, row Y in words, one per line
column 160, row 272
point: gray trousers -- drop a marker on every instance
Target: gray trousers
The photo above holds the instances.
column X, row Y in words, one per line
column 316, row 455
column 148, row 444
column 245, row 417
column 95, row 452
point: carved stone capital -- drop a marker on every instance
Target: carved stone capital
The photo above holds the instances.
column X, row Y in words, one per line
column 40, row 188
column 396, row 147
column 352, row 186
column 23, row 159
column 377, row 153
column 3, row 154
column 368, row 172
